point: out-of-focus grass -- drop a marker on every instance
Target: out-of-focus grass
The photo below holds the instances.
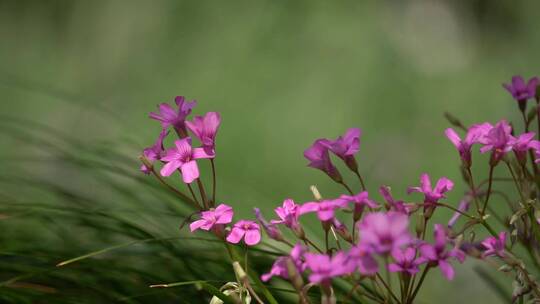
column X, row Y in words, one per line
column 281, row 74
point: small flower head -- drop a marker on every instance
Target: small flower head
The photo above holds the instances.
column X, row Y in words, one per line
column 464, row 146
column 520, row 91
column 361, row 259
column 437, row 255
column 247, row 230
column 319, row 158
column 221, row 215
column 205, row 128
column 405, row 261
column 324, row 268
column 168, row 116
column 325, row 209
column 271, row 228
column 522, row 144
column 360, row 201
column 498, row 140
column 288, row 214
column 432, row 195
column 383, row 232
column 280, row 267
column 394, row 205
column 154, row 152
column 183, row 157
column 495, row 245
column 346, row 146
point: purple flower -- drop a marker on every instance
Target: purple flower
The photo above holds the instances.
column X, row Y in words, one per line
column 154, row 152
column 346, row 146
column 437, row 255
column 464, row 146
column 288, row 214
column 168, row 116
column 498, row 140
column 319, row 158
column 325, row 209
column 279, row 268
column 361, row 259
column 221, row 215
column 248, row 230
column 384, row 232
column 183, row 157
column 463, row 207
column 521, row 91
column 405, row 261
column 324, row 268
column 522, row 144
column 495, row 245
column 360, row 201
column 205, row 128
column 398, row 206
column 432, row 195
column 270, row 228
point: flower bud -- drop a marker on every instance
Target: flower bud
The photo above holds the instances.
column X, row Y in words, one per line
column 316, row 193
column 420, row 224
column 239, row 271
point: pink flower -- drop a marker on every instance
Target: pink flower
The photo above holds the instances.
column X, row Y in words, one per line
column 432, row 195
column 205, row 128
column 248, row 230
column 220, row 216
column 361, row 259
column 324, row 268
column 522, row 144
column 325, row 208
column 360, row 201
column 183, row 157
column 154, row 152
column 464, row 146
column 279, row 268
column 319, row 158
column 398, row 206
column 384, row 232
column 437, row 255
column 498, row 140
column 270, row 228
column 168, row 116
column 346, row 146
column 288, row 214
column 405, row 261
column 495, row 246
column 521, row 91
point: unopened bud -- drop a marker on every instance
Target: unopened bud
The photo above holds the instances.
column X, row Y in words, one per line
column 533, row 112
column 420, row 224
column 453, row 120
column 505, row 268
column 239, row 271
column 316, row 193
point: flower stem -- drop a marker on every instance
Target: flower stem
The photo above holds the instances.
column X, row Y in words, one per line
column 203, row 193
column 424, row 273
column 361, row 180
column 213, row 182
column 488, row 194
column 347, row 187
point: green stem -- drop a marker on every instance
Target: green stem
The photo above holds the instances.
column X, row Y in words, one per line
column 488, row 194
column 213, row 182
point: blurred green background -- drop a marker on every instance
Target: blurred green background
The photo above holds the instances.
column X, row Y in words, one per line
column 281, row 73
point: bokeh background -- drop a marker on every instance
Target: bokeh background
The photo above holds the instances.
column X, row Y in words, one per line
column 78, row 78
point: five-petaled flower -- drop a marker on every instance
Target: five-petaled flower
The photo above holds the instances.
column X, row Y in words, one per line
column 432, row 195
column 221, row 215
column 495, row 245
column 183, row 157
column 520, row 91
column 474, row 133
column 384, row 232
column 247, row 230
column 498, row 140
column 405, row 261
column 288, row 214
column 438, row 255
column 205, row 128
column 168, row 116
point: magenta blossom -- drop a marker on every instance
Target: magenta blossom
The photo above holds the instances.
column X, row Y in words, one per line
column 279, row 268
column 324, row 268
column 271, row 228
column 521, row 91
column 361, row 259
column 394, row 205
column 384, row 232
column 221, row 215
column 183, row 157
column 360, row 201
column 319, row 158
column 154, row 152
column 432, row 195
column 495, row 245
column 498, row 140
column 522, row 144
column 325, row 209
column 168, row 116
column 288, row 214
column 248, row 230
column 438, row 255
column 405, row 261
column 346, row 146
column 464, row 146
column 205, row 128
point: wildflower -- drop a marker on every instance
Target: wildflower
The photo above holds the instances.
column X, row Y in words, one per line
column 464, row 146
column 498, row 140
column 319, row 158
column 168, row 116
column 495, row 245
column 288, row 214
column 361, row 259
column 221, row 215
column 520, row 91
column 394, row 205
column 360, row 201
column 154, row 152
column 437, row 255
column 183, row 157
column 521, row 145
column 248, row 230
column 346, row 146
column 325, row 209
column 270, row 228
column 205, row 128
column 432, row 195
column 405, row 261
column 279, row 268
column 384, row 232
column 324, row 268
